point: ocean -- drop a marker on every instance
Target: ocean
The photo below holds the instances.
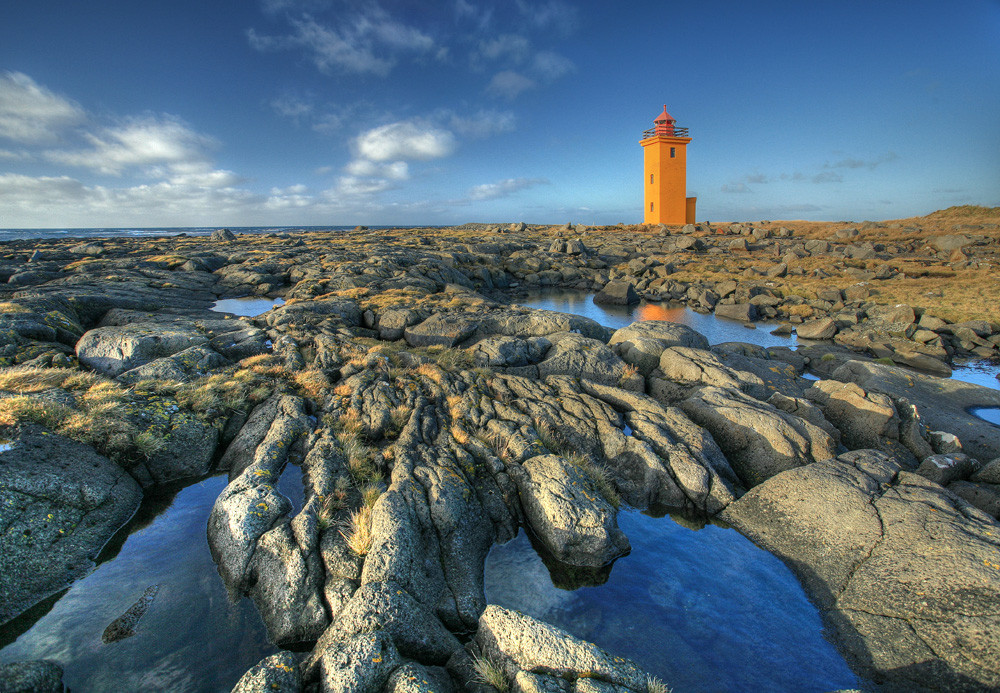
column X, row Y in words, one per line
column 29, row 234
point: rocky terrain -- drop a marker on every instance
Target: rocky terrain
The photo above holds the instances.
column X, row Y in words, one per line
column 431, row 417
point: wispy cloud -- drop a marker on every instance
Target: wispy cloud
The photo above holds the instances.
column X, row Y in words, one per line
column 483, row 123
column 548, row 66
column 363, row 41
column 32, row 114
column 552, row 15
column 509, row 84
column 827, row 177
column 735, row 188
column 510, row 47
column 504, row 188
column 864, row 163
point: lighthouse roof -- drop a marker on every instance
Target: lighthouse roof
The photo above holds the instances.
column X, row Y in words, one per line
column 663, row 117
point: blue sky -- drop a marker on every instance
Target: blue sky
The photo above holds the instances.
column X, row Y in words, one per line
column 343, row 112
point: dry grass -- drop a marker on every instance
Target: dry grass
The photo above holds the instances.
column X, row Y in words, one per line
column 100, row 417
column 655, row 685
column 358, row 531
column 599, row 474
column 490, row 673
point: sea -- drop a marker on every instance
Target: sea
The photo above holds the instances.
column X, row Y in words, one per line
column 57, row 234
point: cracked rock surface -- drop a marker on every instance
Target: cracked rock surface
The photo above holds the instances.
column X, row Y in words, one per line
column 908, row 572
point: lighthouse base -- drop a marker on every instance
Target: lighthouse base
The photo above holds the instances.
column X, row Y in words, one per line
column 689, row 205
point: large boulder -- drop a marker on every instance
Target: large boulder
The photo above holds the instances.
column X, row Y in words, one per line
column 758, row 439
column 905, row 573
column 617, row 294
column 278, row 673
column 744, row 312
column 822, row 328
column 567, row 512
column 641, row 343
column 441, row 329
column 60, row 503
column 385, row 606
column 360, row 664
column 940, row 403
column 582, row 357
column 115, row 349
column 522, row 645
column 692, row 367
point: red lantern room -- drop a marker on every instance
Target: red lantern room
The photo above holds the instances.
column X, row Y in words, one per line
column 664, row 124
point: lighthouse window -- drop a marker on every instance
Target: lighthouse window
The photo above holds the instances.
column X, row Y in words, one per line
column 650, row 178
column 673, row 152
column 650, row 206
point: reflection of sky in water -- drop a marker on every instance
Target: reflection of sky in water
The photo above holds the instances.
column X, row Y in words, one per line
column 247, row 307
column 704, row 610
column 978, row 373
column 191, row 638
column 991, row 414
column 716, row 330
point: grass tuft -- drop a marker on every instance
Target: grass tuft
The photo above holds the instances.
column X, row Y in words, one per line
column 655, row 685
column 490, row 673
column 358, row 531
column 599, row 474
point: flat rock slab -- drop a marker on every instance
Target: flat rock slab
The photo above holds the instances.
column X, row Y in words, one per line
column 60, row 503
column 116, row 349
column 907, row 573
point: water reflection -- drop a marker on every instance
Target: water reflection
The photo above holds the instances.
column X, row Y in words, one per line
column 191, row 639
column 249, row 307
column 990, row 414
column 704, row 610
column 716, row 330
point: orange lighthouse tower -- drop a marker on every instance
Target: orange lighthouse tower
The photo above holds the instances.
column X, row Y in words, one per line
column 665, row 180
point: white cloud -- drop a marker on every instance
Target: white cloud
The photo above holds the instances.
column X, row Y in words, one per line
column 735, row 188
column 140, row 142
column 363, row 42
column 509, row 84
column 405, row 140
column 353, row 186
column 201, row 175
column 397, row 170
column 504, row 188
column 30, row 113
column 61, row 201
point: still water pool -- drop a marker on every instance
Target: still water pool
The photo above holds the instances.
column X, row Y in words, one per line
column 704, row 610
column 249, row 307
column 192, row 638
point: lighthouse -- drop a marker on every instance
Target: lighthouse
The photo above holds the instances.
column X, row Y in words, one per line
column 665, row 173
